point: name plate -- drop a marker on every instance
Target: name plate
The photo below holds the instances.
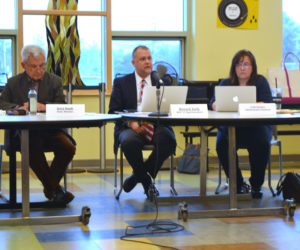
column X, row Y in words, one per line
column 188, row 110
column 65, row 109
column 257, row 109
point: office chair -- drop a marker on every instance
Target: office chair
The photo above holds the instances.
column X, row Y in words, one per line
column 11, row 150
column 1, row 152
column 274, row 142
column 117, row 191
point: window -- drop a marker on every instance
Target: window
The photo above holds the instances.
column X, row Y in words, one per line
column 91, row 68
column 7, row 15
column 145, row 15
column 7, row 59
column 291, row 30
column 161, row 50
column 158, row 24
column 91, row 24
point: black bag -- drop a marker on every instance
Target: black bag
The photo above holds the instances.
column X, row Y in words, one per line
column 289, row 184
column 189, row 163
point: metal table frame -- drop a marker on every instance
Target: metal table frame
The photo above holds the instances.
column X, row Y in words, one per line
column 25, row 123
column 216, row 119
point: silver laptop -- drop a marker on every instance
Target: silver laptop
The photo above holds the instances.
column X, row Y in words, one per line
column 229, row 97
column 171, row 95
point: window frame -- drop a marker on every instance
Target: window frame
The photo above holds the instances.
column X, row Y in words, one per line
column 109, row 36
column 11, row 34
column 183, row 36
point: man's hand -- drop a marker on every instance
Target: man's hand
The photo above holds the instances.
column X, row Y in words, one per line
column 137, row 128
column 40, row 107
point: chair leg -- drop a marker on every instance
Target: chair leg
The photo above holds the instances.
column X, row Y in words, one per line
column 280, row 158
column 65, row 181
column 1, row 149
column 172, row 187
column 220, row 188
column 269, row 177
column 118, row 192
column 280, row 168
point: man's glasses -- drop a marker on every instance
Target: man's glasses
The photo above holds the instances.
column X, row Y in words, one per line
column 245, row 65
column 35, row 67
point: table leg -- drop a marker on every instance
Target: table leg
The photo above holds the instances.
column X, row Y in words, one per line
column 232, row 167
column 203, row 161
column 25, row 172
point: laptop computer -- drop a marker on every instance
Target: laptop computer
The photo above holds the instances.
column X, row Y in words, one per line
column 171, row 95
column 229, row 97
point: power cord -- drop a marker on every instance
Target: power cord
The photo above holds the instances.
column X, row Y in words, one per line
column 154, row 227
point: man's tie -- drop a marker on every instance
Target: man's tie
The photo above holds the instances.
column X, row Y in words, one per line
column 148, row 127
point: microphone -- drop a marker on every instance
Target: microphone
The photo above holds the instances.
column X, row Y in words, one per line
column 162, row 70
column 158, row 81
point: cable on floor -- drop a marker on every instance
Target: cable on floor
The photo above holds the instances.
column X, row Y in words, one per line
column 154, row 227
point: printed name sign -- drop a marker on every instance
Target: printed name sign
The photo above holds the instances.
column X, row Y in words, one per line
column 188, row 110
column 257, row 109
column 65, row 109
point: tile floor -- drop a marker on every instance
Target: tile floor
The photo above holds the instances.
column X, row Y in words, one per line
column 110, row 217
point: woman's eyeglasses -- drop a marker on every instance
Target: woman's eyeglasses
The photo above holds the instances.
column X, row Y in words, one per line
column 245, row 65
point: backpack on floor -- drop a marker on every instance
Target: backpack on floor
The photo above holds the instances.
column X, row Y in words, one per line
column 189, row 163
column 289, row 185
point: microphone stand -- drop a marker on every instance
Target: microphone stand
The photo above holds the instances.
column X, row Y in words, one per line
column 152, row 190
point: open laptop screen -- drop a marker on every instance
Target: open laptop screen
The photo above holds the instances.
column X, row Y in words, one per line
column 229, row 97
column 169, row 95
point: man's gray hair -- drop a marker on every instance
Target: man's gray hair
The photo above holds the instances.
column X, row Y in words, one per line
column 138, row 47
column 32, row 50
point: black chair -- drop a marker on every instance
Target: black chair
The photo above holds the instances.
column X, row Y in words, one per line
column 1, row 170
column 117, row 191
column 11, row 149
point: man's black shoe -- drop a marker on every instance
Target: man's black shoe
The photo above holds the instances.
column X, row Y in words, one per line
column 147, row 185
column 152, row 193
column 130, row 183
column 59, row 197
column 256, row 193
column 62, row 197
column 244, row 189
column 48, row 194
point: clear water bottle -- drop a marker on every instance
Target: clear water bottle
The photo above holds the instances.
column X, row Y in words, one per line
column 32, row 97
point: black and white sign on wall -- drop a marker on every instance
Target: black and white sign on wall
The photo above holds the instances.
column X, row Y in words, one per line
column 241, row 14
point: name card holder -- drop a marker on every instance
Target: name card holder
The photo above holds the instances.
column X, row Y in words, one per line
column 257, row 109
column 188, row 110
column 65, row 110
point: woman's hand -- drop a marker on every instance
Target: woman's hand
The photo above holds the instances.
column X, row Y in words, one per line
column 213, row 106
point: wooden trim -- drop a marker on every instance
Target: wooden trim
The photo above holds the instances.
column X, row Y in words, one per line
column 108, row 48
column 63, row 12
column 88, row 92
column 20, row 33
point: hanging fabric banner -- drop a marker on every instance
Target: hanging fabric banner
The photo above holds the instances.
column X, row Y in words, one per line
column 63, row 43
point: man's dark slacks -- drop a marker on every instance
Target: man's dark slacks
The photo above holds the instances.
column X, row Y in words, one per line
column 63, row 148
column 133, row 143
